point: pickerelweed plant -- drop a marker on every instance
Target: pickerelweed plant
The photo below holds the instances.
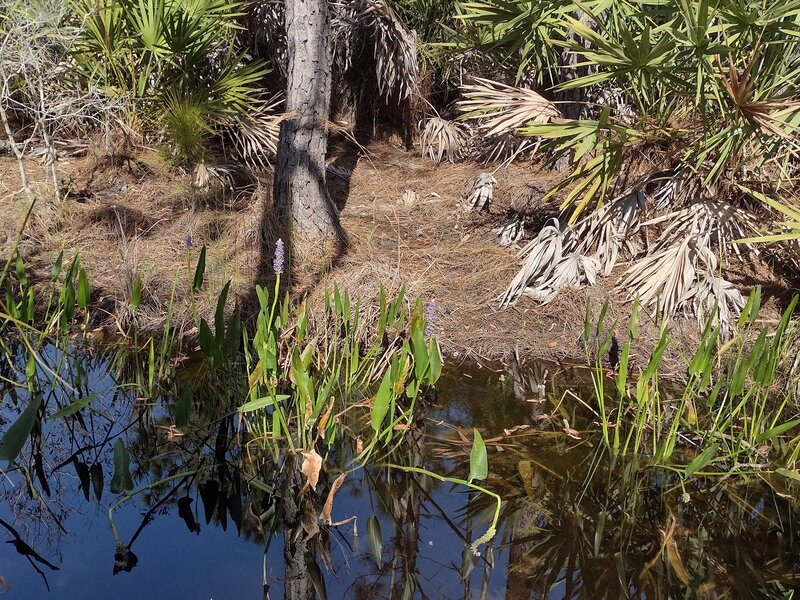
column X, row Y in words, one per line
column 733, row 411
column 301, row 386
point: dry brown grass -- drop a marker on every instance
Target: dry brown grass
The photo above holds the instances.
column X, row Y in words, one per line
column 133, row 216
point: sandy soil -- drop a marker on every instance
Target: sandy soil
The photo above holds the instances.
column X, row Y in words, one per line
column 131, row 213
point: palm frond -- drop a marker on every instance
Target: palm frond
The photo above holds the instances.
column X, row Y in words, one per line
column 254, row 137
column 572, row 271
column 443, row 140
column 501, row 109
column 511, row 231
column 480, row 192
column 604, row 233
column 362, row 24
column 540, row 256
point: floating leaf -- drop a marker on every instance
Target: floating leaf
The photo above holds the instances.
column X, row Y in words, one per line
column 478, row 461
column 16, row 435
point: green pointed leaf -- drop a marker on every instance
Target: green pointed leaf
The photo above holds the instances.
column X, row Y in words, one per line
column 183, row 407
column 478, row 461
column 121, row 481
column 73, row 407
column 84, row 291
column 701, row 460
column 136, row 293
column 200, row 270
column 15, row 436
column 435, row 357
column 380, row 404
column 260, row 403
column 375, row 539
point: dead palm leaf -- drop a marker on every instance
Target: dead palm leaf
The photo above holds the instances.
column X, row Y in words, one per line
column 572, row 271
column 511, row 231
column 541, row 255
column 603, row 233
column 443, row 140
column 502, row 109
column 373, row 24
column 480, row 192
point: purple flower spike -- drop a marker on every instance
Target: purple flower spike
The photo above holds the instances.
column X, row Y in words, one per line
column 277, row 263
column 188, row 241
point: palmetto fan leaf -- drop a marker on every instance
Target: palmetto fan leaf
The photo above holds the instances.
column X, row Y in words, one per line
column 562, row 257
column 501, row 109
column 722, row 223
column 540, row 256
column 604, row 233
column 480, row 192
column 255, row 136
column 681, row 276
column 372, row 25
column 443, row 140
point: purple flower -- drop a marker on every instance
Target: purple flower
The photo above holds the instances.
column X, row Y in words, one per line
column 277, row 263
column 430, row 317
column 188, row 240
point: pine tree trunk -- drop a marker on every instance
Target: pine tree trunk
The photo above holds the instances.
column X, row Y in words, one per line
column 310, row 219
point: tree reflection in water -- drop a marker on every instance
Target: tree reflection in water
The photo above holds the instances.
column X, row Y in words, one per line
column 576, row 524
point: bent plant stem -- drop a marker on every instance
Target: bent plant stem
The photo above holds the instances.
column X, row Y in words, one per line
column 139, row 490
column 492, row 530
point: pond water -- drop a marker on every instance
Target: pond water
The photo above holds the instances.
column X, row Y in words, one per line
column 574, row 523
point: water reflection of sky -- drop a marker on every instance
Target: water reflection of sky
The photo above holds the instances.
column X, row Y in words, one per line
column 219, row 565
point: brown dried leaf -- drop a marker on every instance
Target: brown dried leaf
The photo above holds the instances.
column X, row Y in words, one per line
column 312, row 465
column 327, row 509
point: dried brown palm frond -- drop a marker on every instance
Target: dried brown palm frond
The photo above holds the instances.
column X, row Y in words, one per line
column 504, row 148
column 480, row 192
column 681, row 277
column 255, row 137
column 603, row 233
column 666, row 278
column 572, row 271
column 719, row 298
column 540, row 257
column 501, row 109
column 721, row 222
column 263, row 32
column 372, row 26
column 443, row 140
column 511, row 231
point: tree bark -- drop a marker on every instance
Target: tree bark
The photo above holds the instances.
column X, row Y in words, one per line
column 308, row 216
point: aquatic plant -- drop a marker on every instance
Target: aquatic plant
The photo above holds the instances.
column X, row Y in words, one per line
column 730, row 413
